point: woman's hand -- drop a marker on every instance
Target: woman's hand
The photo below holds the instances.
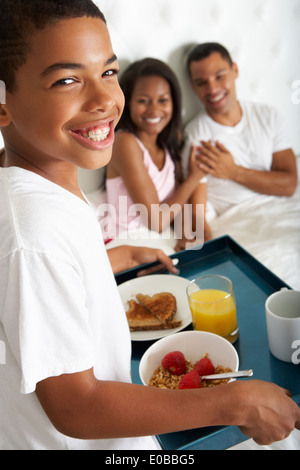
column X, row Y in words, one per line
column 194, row 163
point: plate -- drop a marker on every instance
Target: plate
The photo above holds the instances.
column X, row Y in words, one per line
column 153, row 284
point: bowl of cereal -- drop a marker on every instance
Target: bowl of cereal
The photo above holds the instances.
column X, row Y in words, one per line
column 156, row 364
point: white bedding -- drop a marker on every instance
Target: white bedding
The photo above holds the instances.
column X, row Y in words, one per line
column 269, row 228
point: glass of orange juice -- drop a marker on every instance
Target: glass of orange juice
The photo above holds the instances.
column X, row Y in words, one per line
column 212, row 303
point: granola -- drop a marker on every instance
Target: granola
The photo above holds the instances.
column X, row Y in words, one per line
column 162, row 378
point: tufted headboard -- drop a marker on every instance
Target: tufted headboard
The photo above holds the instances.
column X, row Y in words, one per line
column 263, row 37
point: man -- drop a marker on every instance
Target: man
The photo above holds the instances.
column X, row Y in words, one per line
column 242, row 146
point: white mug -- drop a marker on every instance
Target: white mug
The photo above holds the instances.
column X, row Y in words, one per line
column 283, row 324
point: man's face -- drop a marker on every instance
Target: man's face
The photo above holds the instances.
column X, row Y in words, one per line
column 213, row 81
column 67, row 100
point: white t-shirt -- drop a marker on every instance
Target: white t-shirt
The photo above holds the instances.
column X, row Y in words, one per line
column 252, row 143
column 60, row 311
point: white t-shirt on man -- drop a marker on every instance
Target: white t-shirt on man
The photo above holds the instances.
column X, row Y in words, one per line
column 60, row 310
column 252, row 143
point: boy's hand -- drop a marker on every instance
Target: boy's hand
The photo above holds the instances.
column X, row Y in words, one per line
column 268, row 412
column 143, row 255
column 126, row 257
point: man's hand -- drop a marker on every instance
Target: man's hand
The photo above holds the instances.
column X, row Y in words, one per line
column 280, row 180
column 216, row 160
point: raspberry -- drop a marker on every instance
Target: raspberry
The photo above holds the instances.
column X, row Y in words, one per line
column 174, row 362
column 204, row 367
column 190, row 380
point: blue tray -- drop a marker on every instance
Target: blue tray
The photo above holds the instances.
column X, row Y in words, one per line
column 253, row 283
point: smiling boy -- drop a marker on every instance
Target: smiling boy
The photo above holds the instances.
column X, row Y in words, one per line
column 63, row 101
column 66, row 381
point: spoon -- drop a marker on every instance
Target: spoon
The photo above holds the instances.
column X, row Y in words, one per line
column 229, row 375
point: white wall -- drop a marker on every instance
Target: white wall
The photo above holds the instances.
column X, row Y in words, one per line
column 262, row 35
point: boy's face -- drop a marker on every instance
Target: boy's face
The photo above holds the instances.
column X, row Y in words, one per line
column 213, row 81
column 67, row 100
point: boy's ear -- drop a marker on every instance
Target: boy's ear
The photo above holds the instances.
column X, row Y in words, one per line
column 5, row 118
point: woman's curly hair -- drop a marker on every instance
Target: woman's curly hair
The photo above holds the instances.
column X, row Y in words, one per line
column 170, row 137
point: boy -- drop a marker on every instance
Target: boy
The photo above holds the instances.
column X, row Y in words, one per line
column 66, row 381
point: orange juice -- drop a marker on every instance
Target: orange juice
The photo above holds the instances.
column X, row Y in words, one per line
column 215, row 311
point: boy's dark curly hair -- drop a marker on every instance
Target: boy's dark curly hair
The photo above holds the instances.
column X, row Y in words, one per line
column 19, row 19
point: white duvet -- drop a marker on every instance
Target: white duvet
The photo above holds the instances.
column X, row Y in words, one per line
column 268, row 227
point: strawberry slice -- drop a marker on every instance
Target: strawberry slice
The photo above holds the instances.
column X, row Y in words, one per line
column 204, row 367
column 174, row 362
column 190, row 380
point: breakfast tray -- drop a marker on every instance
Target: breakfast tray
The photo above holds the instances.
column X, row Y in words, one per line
column 253, row 283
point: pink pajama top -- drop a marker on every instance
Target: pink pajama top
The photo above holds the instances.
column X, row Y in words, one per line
column 123, row 214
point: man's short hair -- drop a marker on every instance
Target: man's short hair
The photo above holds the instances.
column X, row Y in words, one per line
column 202, row 51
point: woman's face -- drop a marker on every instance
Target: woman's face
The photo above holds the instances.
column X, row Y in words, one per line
column 151, row 105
